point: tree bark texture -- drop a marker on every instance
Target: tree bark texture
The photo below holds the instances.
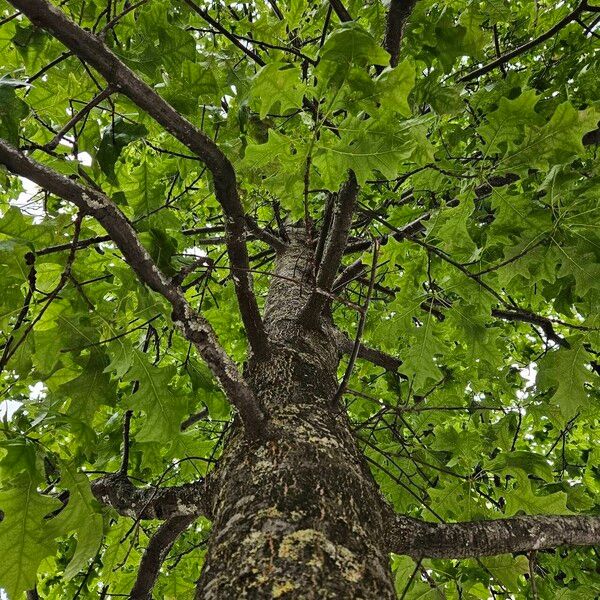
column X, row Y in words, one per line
column 297, row 515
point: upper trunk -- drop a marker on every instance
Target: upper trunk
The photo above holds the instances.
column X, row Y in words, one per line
column 296, row 516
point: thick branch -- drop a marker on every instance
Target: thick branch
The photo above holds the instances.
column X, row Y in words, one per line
column 94, row 52
column 333, row 250
column 340, row 10
column 487, row 538
column 195, row 328
column 527, row 317
column 572, row 16
column 157, row 550
column 117, row 491
column 398, row 14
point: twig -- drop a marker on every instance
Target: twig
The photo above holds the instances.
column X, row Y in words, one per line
column 566, row 20
column 53, row 143
column 359, row 330
column 125, row 460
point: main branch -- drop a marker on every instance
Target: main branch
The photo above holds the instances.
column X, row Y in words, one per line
column 94, row 52
column 195, row 328
column 487, row 538
column 397, row 16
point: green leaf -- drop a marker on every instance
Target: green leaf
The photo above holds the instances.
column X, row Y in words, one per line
column 24, row 531
column 164, row 409
column 351, row 44
column 523, row 499
column 277, row 87
column 114, row 138
column 371, row 146
column 394, row 86
column 507, row 569
column 81, row 516
column 505, row 126
column 12, row 111
column 564, row 372
column 556, row 142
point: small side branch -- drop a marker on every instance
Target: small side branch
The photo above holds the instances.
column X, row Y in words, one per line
column 528, row 317
column 397, row 16
column 420, row 539
column 333, row 250
column 193, row 325
column 265, row 236
column 158, row 548
column 117, row 491
column 360, row 329
column 76, row 118
column 376, row 357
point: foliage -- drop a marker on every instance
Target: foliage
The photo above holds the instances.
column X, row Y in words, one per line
column 493, row 417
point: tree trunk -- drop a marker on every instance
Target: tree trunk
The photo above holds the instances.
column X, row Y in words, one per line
column 298, row 515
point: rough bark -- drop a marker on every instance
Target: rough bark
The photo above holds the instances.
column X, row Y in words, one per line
column 398, row 13
column 297, row 516
column 487, row 538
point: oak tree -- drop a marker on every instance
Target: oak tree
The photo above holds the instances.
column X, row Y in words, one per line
column 299, row 299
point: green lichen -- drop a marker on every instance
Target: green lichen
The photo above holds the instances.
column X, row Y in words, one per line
column 293, row 547
column 280, row 589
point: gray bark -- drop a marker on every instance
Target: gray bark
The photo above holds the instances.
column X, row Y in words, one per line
column 296, row 516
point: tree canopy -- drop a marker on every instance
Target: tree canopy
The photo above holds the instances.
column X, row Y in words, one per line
column 470, row 274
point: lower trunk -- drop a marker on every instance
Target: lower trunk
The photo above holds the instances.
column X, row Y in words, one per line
column 298, row 515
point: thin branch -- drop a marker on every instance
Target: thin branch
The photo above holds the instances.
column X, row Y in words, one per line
column 528, row 317
column 195, row 327
column 157, row 550
column 126, row 427
column 53, row 143
column 111, row 24
column 192, row 419
column 566, row 20
column 230, row 36
column 90, row 49
column 349, row 274
column 420, row 539
column 359, row 330
column 333, row 251
column 265, row 236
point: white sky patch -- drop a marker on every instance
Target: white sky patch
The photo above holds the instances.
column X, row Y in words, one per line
column 37, row 391
column 85, row 159
column 7, row 410
column 195, row 251
column 30, row 200
column 529, row 374
column 8, row 407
